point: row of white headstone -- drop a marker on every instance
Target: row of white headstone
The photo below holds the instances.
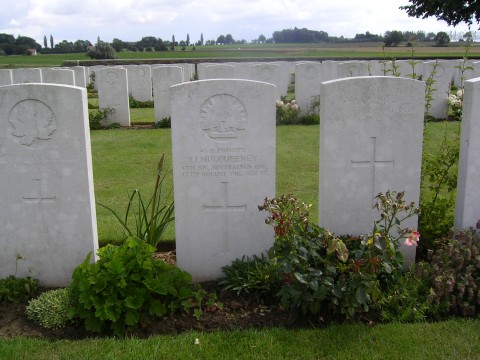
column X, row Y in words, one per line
column 116, row 83
column 223, row 149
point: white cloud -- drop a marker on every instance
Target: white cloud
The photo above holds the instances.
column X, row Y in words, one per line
column 130, row 20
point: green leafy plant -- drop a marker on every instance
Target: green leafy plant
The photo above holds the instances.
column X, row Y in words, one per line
column 430, row 90
column 152, row 217
column 407, row 301
column 258, row 277
column 51, row 309
column 139, row 104
column 439, row 181
column 127, row 287
column 96, row 118
column 287, row 113
column 412, row 62
column 17, row 290
column 164, row 123
column 453, row 272
column 312, row 271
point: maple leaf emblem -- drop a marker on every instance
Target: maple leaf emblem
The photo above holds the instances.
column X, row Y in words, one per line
column 31, row 121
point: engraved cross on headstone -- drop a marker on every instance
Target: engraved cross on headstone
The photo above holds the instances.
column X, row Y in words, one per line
column 37, row 196
column 373, row 163
column 225, row 207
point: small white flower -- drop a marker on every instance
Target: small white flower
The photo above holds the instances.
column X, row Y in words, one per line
column 197, row 341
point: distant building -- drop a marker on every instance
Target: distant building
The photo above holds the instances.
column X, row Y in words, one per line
column 32, row 51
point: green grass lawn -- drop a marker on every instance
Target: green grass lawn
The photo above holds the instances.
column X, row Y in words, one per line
column 459, row 339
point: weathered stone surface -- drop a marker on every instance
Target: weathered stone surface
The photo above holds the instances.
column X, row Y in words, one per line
column 223, row 146
column 113, row 93
column 371, row 133
column 47, row 211
column 467, row 209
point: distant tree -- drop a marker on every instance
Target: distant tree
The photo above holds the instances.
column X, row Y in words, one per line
column 393, row 38
column 102, row 50
column 51, row 41
column 299, row 36
column 420, row 35
column 173, row 40
column 64, row 45
column 20, row 50
column 442, row 39
column 453, row 12
column 468, row 36
column 201, row 39
column 7, row 39
column 28, row 42
column 367, row 37
column 118, row 44
column 221, row 40
column 430, row 36
column 188, row 39
column 45, row 44
column 262, row 39
column 229, row 39
column 81, row 45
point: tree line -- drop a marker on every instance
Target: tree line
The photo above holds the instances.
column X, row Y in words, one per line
column 9, row 45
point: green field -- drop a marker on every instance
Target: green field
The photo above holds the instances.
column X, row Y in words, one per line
column 255, row 51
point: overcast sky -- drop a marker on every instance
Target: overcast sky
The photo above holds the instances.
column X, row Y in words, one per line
column 130, row 20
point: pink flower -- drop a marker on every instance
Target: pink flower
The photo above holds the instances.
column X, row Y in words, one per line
column 413, row 239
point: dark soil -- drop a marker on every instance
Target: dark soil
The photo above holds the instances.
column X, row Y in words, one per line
column 235, row 313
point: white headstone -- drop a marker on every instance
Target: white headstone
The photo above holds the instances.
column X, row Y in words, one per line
column 47, row 211
column 223, row 147
column 58, row 76
column 27, row 75
column 443, row 73
column 140, row 82
column 272, row 74
column 216, row 71
column 163, row 78
column 81, row 78
column 113, row 93
column 352, row 69
column 467, row 208
column 371, row 133
column 6, row 77
column 308, row 77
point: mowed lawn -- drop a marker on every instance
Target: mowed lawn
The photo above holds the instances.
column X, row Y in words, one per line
column 124, row 160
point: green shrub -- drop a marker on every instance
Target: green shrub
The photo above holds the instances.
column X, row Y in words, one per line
column 139, row 104
column 127, row 287
column 287, row 113
column 51, row 309
column 17, row 290
column 164, row 123
column 453, row 272
column 97, row 117
column 102, row 50
column 309, row 119
column 257, row 277
column 407, row 301
column 312, row 271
